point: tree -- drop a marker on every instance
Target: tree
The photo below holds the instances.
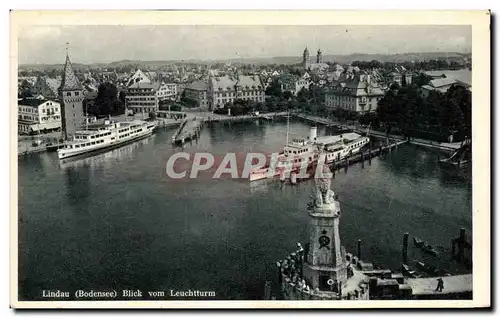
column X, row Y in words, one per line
column 107, row 101
column 274, row 89
column 287, row 95
column 303, row 95
column 460, row 99
column 422, row 79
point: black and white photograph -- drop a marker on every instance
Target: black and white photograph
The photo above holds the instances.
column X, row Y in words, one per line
column 181, row 159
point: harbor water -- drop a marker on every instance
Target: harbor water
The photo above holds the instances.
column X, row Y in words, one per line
column 116, row 221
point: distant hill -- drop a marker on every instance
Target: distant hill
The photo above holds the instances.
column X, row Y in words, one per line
column 338, row 58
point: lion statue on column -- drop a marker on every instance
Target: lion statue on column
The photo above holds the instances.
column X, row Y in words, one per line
column 323, row 180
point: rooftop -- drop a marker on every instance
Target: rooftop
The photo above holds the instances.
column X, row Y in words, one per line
column 33, row 102
column 226, row 82
column 439, row 82
column 198, row 86
column 145, row 85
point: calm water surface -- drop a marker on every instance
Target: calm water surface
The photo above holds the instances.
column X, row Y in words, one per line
column 115, row 221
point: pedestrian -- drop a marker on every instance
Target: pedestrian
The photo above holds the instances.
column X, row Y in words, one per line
column 440, row 285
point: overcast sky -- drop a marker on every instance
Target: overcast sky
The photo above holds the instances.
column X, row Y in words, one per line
column 88, row 44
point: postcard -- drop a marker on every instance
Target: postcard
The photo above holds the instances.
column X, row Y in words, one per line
column 250, row 159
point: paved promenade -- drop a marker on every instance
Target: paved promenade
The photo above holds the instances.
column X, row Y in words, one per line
column 452, row 285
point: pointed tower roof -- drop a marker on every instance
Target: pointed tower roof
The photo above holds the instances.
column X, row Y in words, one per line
column 306, row 50
column 319, row 51
column 69, row 80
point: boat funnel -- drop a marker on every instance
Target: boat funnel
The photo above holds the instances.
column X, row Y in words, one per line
column 313, row 134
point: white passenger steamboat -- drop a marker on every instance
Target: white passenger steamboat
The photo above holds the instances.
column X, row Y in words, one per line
column 341, row 146
column 109, row 135
column 302, row 153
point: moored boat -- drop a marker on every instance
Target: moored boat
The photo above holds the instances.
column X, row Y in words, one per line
column 424, row 246
column 408, row 272
column 341, row 146
column 429, row 269
column 429, row 250
column 108, row 135
column 301, row 154
column 417, row 242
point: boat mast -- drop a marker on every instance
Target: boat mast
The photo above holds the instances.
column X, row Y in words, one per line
column 287, row 127
column 86, row 116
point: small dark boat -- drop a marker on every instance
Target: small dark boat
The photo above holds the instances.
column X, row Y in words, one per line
column 429, row 269
column 408, row 272
column 417, row 242
column 429, row 249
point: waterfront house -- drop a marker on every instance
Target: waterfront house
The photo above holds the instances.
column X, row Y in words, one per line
column 141, row 97
column 38, row 115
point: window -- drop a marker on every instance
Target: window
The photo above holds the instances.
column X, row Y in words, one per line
column 77, row 93
column 68, row 93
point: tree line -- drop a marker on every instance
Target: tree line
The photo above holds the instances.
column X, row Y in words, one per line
column 435, row 116
column 429, row 65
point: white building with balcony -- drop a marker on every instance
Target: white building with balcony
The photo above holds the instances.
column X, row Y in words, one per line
column 38, row 115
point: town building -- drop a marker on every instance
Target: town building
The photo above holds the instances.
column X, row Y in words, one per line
column 38, row 115
column 196, row 94
column 227, row 89
column 294, row 84
column 71, row 95
column 47, row 87
column 441, row 85
column 356, row 93
column 138, row 77
column 166, row 91
column 399, row 75
column 141, row 97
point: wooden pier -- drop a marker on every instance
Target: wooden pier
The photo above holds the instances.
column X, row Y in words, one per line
column 461, row 249
column 224, row 118
column 188, row 130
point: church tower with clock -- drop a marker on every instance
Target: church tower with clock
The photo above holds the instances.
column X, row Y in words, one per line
column 325, row 264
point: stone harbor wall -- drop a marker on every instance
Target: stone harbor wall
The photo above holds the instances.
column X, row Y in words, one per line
column 292, row 291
